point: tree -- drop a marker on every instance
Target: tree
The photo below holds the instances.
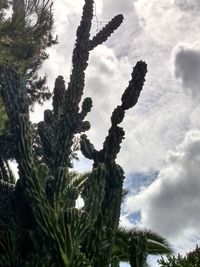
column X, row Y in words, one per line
column 191, row 259
column 39, row 223
column 24, row 37
column 136, row 244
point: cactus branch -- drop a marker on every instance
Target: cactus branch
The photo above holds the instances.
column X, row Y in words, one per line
column 132, row 92
column 105, row 33
column 80, row 58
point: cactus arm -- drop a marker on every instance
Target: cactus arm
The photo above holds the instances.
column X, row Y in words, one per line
column 59, row 90
column 105, row 33
column 80, row 59
column 86, row 107
column 132, row 92
column 87, row 148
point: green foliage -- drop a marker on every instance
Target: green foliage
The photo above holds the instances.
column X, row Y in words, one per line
column 25, row 32
column 135, row 245
column 43, row 200
column 24, row 37
column 191, row 259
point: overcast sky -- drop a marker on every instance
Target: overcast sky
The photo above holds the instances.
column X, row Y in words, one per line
column 161, row 152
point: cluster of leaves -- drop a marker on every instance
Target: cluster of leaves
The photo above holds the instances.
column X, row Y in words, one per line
column 43, row 200
column 191, row 259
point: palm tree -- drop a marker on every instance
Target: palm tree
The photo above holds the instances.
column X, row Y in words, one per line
column 134, row 245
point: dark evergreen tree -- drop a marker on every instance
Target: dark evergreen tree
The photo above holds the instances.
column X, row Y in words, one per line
column 24, row 37
column 39, row 223
column 25, row 32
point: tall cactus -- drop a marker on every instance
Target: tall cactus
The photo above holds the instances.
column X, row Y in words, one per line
column 108, row 220
column 43, row 199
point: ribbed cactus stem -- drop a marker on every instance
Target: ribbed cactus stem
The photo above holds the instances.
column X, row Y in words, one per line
column 87, row 148
column 96, row 191
column 132, row 92
column 105, row 33
column 83, row 127
column 58, row 95
column 3, row 171
column 111, row 146
column 86, row 107
column 117, row 115
column 79, row 59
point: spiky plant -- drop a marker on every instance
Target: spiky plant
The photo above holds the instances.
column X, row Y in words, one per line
column 42, row 203
column 134, row 245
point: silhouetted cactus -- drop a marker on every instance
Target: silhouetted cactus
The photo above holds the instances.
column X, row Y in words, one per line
column 45, row 194
column 132, row 92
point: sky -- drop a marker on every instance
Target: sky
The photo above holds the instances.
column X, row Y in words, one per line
column 161, row 152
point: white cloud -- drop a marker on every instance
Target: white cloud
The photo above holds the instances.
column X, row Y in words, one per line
column 170, row 205
column 151, row 134
column 166, row 21
column 113, row 7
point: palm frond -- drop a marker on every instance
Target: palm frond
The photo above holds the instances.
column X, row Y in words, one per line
column 156, row 244
column 78, row 180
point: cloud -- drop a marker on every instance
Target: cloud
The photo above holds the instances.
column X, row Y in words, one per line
column 186, row 67
column 188, row 5
column 114, row 7
column 165, row 21
column 170, row 205
column 152, row 128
